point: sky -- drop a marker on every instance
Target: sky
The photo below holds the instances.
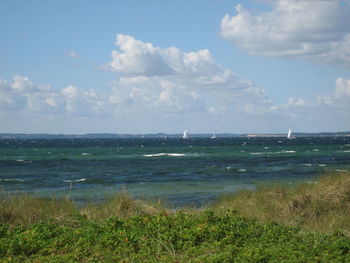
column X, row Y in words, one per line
column 208, row 66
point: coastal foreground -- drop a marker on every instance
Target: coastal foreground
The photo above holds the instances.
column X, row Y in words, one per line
column 309, row 222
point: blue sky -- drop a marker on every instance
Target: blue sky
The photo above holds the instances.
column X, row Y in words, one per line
column 165, row 66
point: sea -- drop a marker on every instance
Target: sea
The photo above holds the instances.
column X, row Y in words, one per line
column 183, row 172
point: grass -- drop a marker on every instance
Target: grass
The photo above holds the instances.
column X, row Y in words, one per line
column 123, row 206
column 306, row 223
column 322, row 206
column 23, row 209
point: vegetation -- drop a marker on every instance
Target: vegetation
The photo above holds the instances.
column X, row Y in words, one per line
column 163, row 238
column 322, row 206
column 276, row 224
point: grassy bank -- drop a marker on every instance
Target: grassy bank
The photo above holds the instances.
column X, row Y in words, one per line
column 322, row 205
column 306, row 223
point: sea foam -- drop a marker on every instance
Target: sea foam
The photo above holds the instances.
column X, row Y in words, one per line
column 75, row 181
column 164, row 154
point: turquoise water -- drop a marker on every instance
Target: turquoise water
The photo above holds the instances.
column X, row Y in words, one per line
column 185, row 172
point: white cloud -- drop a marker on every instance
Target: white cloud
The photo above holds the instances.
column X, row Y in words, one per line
column 194, row 92
column 170, row 80
column 340, row 100
column 314, row 29
column 296, row 102
column 342, row 90
column 137, row 58
column 72, row 54
column 23, row 95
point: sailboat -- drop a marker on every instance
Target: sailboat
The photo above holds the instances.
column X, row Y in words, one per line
column 289, row 135
column 213, row 137
column 185, row 135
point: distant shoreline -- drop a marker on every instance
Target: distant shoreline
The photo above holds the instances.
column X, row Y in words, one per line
column 164, row 135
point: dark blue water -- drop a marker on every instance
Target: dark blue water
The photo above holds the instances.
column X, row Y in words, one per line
column 185, row 172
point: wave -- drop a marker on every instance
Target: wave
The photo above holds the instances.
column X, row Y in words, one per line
column 23, row 161
column 84, row 154
column 288, row 152
column 260, row 153
column 164, row 154
column 11, row 180
column 75, row 181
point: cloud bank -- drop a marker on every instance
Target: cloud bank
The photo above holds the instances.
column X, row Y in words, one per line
column 22, row 95
column 311, row 29
column 167, row 89
column 170, row 80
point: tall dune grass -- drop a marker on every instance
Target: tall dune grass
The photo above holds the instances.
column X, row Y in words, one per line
column 123, row 206
column 322, row 206
column 24, row 209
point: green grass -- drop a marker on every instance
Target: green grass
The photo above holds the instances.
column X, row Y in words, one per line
column 307, row 223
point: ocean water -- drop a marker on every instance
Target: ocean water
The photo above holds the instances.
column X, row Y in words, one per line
column 184, row 172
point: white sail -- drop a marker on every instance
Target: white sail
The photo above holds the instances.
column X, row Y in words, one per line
column 289, row 133
column 185, row 136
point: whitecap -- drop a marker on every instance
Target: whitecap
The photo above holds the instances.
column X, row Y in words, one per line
column 80, row 180
column 341, row 170
column 266, row 148
column 242, row 170
column 84, row 154
column 176, row 154
column 315, row 150
column 164, row 154
column 322, row 164
column 288, row 151
column 258, row 153
column 154, row 154
column 228, row 168
column 75, row 181
column 11, row 180
column 307, row 164
column 20, row 160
